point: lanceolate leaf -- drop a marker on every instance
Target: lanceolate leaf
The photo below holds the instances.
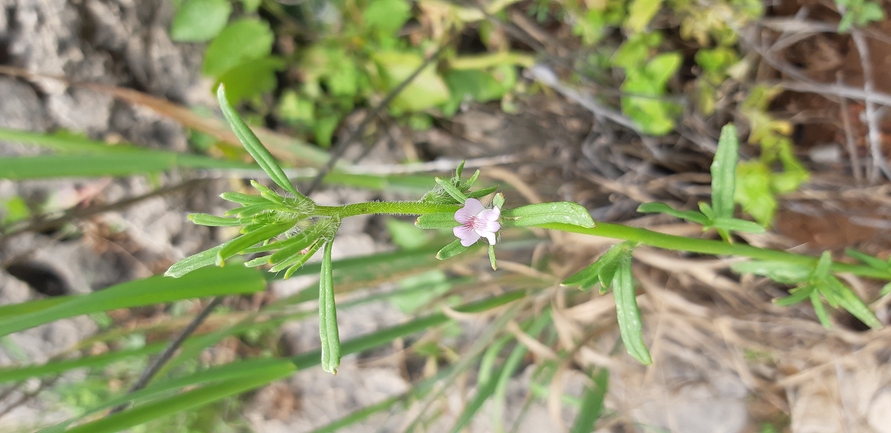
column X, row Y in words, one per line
column 328, row 315
column 248, row 240
column 628, row 313
column 546, row 213
column 724, row 172
column 689, row 215
column 451, row 250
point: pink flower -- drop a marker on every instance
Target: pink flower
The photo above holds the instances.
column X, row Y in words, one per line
column 476, row 222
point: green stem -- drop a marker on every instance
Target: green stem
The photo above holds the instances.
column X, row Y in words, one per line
column 384, row 207
column 705, row 246
column 615, row 231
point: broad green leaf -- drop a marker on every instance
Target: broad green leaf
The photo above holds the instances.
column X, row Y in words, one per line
column 737, row 225
column 328, row 315
column 546, row 213
column 254, row 147
column 152, row 290
column 754, row 192
column 386, row 17
column 689, row 215
column 628, row 313
column 199, row 20
column 640, row 13
column 781, row 272
column 240, row 42
column 248, row 240
column 592, row 403
column 724, row 172
column 451, row 250
column 213, row 220
column 251, row 78
column 427, row 90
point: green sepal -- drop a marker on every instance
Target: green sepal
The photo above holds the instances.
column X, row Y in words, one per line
column 492, row 258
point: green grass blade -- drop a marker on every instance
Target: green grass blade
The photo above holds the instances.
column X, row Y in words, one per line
column 328, row 332
column 11, row 374
column 184, row 401
column 12, row 310
column 724, row 172
column 152, row 290
column 592, row 404
column 64, row 143
column 254, row 147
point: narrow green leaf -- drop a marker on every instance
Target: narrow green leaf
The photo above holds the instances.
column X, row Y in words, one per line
column 254, row 147
column 482, row 192
column 243, row 199
column 439, row 220
column 303, row 258
column 451, row 190
column 546, row 213
column 267, row 193
column 328, row 315
column 873, row 262
column 204, row 219
column 199, row 20
column 586, row 278
column 253, row 209
column 886, row 289
column 822, row 269
column 602, row 270
column 592, row 403
column 820, row 309
column 689, row 215
column 628, row 313
column 451, row 250
column 707, row 210
column 737, row 225
column 248, row 240
column 492, row 258
column 847, row 299
column 724, row 172
column 302, row 240
column 796, row 295
column 152, row 290
column 781, row 272
column 195, row 261
column 10, row 374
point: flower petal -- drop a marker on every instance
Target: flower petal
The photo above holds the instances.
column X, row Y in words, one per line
column 490, row 236
column 490, row 214
column 471, row 208
column 467, row 235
